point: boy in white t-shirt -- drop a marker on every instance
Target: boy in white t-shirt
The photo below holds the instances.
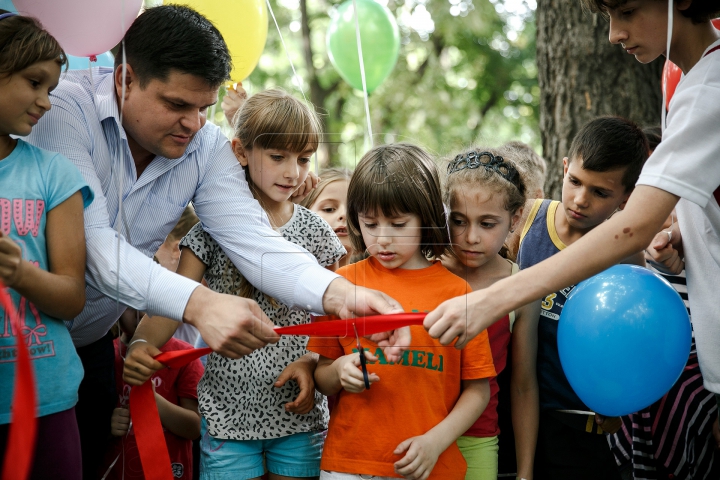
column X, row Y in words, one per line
column 683, row 170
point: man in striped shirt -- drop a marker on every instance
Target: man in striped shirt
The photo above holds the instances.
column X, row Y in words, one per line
column 139, row 136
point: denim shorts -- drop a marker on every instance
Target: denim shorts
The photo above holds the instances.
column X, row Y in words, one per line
column 296, row 455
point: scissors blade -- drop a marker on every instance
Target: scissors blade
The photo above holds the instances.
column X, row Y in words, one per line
column 363, row 360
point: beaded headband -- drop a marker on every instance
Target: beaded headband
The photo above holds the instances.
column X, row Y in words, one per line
column 6, row 15
column 490, row 162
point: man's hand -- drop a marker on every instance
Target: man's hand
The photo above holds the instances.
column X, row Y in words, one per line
column 232, row 326
column 232, row 101
column 304, row 189
column 140, row 364
column 120, row 422
column 420, row 459
column 664, row 251
column 350, row 374
column 346, row 300
column 11, row 261
column 302, row 371
column 609, row 424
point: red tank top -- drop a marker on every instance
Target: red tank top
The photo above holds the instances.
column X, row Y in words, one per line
column 499, row 336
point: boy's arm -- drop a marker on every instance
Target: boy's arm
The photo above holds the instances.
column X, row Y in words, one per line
column 524, row 390
column 153, row 332
column 424, row 450
column 610, row 242
column 183, row 420
column 60, row 291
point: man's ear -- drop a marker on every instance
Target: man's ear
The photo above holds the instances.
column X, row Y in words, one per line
column 131, row 81
column 566, row 164
column 239, row 151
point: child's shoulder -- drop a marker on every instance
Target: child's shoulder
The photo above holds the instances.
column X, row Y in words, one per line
column 450, row 279
column 308, row 230
column 349, row 271
column 536, row 209
column 42, row 158
column 197, row 235
column 309, row 221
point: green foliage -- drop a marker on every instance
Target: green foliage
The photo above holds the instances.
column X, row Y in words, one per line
column 466, row 75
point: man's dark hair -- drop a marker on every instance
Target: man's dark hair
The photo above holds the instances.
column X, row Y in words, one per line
column 175, row 37
column 699, row 10
column 611, row 143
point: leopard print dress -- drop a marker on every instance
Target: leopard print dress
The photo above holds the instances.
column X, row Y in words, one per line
column 237, row 397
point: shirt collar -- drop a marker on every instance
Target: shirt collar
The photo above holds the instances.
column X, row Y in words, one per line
column 106, row 103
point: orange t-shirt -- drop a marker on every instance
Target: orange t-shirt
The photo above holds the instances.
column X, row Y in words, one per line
column 413, row 395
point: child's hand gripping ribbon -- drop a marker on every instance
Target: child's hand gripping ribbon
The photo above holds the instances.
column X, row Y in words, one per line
column 143, row 409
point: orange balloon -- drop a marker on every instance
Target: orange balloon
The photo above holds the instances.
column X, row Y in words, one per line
column 670, row 79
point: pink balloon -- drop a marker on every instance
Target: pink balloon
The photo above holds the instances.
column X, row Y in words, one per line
column 83, row 27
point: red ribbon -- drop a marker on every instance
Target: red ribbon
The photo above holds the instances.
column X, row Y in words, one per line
column 23, row 426
column 149, row 436
column 143, row 409
column 344, row 328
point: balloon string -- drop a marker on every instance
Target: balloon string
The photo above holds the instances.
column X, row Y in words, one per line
column 663, row 113
column 368, row 138
column 92, row 82
column 121, row 167
column 296, row 79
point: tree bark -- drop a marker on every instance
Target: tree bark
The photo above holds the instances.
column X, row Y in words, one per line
column 582, row 76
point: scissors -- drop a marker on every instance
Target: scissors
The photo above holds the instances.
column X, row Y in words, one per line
column 363, row 360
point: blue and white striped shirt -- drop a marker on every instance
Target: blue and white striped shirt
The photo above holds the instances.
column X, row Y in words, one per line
column 85, row 127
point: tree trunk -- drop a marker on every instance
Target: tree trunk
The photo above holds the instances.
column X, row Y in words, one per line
column 582, row 76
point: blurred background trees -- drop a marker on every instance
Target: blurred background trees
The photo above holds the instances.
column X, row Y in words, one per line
column 466, row 74
column 470, row 72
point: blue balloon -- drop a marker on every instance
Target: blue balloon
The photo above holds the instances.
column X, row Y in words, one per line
column 82, row 63
column 624, row 338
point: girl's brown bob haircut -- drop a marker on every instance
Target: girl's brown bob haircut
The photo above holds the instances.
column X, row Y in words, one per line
column 275, row 119
column 24, row 42
column 699, row 10
column 395, row 180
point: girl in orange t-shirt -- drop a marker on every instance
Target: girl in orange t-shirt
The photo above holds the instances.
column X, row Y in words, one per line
column 485, row 196
column 407, row 424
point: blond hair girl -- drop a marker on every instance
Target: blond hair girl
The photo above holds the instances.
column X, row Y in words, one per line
column 329, row 200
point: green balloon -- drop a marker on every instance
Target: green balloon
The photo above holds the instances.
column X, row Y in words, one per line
column 380, row 39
